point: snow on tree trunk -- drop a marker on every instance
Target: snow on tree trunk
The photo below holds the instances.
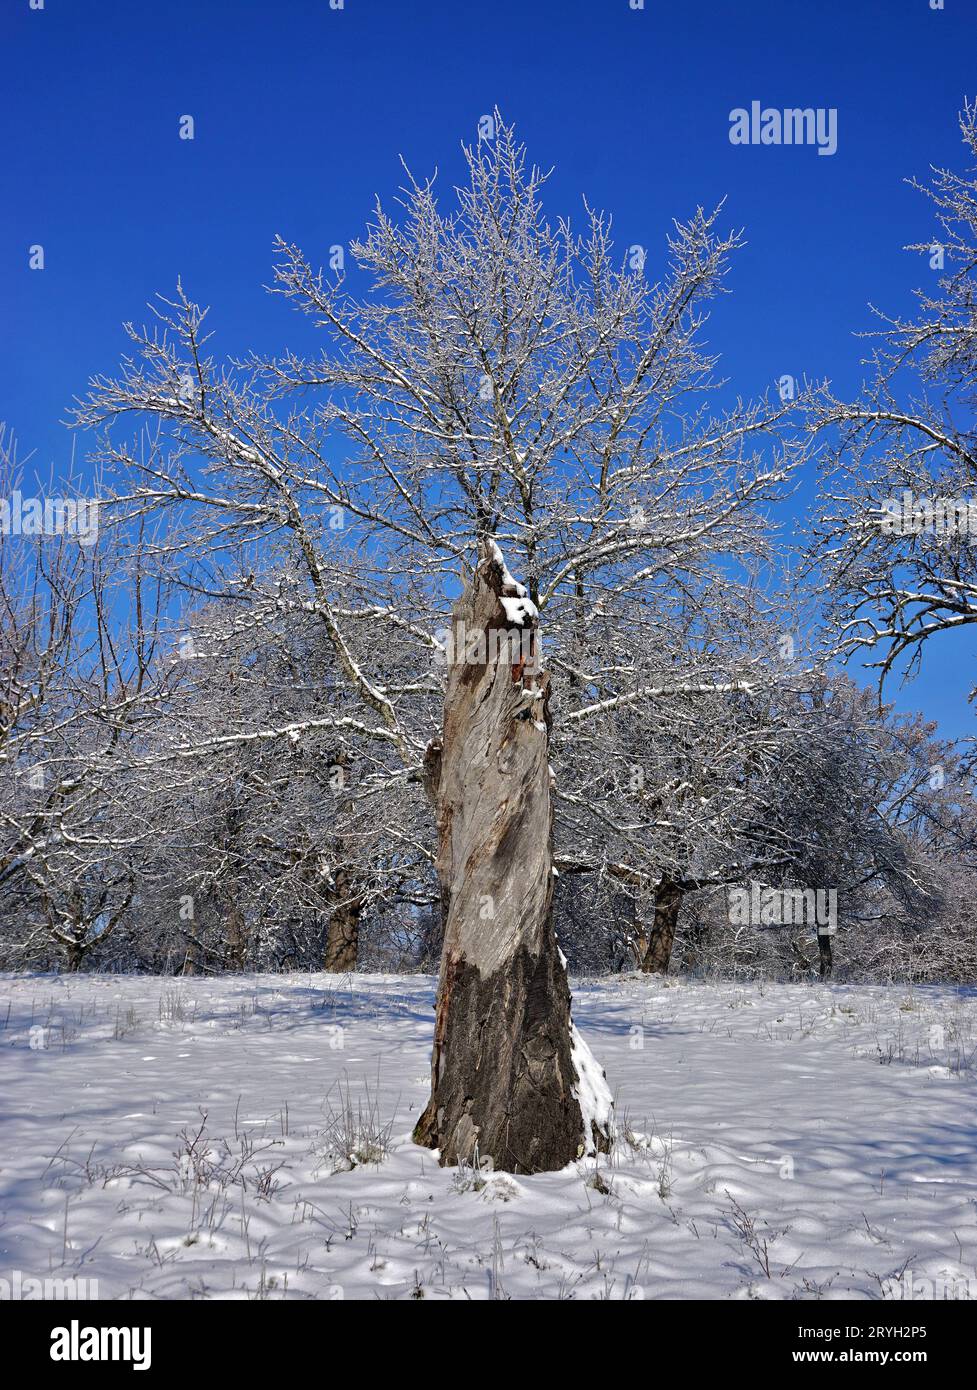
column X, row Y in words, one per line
column 668, row 901
column 512, row 1082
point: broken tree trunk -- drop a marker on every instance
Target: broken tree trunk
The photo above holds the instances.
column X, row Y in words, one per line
column 512, row 1083
column 668, row 901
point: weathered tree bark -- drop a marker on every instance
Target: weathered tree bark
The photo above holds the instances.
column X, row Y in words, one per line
column 668, row 902
column 512, row 1082
column 343, row 932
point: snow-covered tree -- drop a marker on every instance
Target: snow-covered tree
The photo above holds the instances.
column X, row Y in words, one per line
column 665, row 797
column 895, row 537
column 284, row 829
column 79, row 694
column 502, row 396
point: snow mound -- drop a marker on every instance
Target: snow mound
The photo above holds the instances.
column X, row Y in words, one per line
column 519, row 607
column 592, row 1092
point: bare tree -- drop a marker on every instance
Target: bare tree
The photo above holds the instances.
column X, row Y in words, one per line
column 503, row 382
column 279, row 813
column 895, row 538
column 669, row 796
column 78, row 674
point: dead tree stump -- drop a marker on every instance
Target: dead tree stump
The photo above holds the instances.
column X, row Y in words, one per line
column 512, row 1083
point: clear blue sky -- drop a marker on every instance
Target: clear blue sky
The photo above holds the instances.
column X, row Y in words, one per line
column 301, row 111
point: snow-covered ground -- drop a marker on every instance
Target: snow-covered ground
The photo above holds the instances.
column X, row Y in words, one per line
column 250, row 1137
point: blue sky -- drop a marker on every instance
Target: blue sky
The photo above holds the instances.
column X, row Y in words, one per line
column 301, row 110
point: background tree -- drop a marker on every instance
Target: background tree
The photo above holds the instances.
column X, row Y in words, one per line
column 80, row 694
column 909, row 439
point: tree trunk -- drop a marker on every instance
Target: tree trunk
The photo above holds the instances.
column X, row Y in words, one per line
column 74, row 956
column 512, row 1082
column 825, row 960
column 697, row 936
column 237, row 938
column 343, row 932
column 668, row 901
column 432, row 940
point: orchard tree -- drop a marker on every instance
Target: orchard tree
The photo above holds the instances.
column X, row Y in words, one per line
column 664, row 798
column 507, row 419
column 293, row 834
column 860, row 793
column 80, row 694
column 895, row 537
